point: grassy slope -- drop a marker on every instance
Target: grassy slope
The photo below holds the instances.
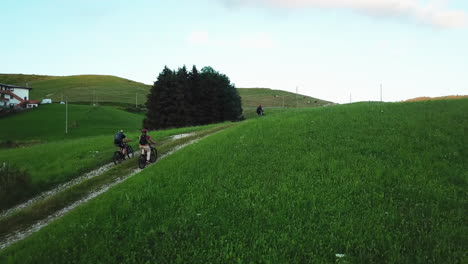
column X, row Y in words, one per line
column 22, row 79
column 118, row 90
column 47, row 122
column 81, row 88
column 377, row 182
column 252, row 97
column 417, row 99
column 53, row 203
column 88, row 144
column 60, row 161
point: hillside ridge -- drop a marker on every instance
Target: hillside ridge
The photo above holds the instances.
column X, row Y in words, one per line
column 94, row 88
column 426, row 98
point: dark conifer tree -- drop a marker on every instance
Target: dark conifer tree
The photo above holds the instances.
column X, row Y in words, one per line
column 156, row 99
column 181, row 95
column 209, row 96
column 162, row 102
column 195, row 96
column 180, row 99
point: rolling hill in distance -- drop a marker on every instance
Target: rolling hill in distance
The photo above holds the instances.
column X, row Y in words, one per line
column 425, row 98
column 111, row 89
column 80, row 88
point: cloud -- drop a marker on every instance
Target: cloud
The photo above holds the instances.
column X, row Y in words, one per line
column 433, row 12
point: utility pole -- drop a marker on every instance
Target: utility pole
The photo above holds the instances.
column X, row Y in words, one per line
column 350, row 101
column 297, row 104
column 66, row 116
column 283, row 100
column 380, row 92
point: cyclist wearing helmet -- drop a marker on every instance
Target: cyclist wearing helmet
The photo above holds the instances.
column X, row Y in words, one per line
column 120, row 141
column 144, row 141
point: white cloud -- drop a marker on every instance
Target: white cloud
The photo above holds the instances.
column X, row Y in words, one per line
column 429, row 12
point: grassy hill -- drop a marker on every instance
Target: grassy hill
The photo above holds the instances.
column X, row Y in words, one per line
column 111, row 89
column 252, row 97
column 357, row 183
column 47, row 122
column 417, row 99
column 22, row 79
column 81, row 88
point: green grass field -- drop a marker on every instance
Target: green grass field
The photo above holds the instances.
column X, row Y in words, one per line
column 378, row 183
column 50, row 157
column 54, row 202
column 47, row 122
column 58, row 161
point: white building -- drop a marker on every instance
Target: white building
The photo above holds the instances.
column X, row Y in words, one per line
column 16, row 96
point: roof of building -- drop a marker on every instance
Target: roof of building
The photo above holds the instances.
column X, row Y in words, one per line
column 14, row 86
column 28, row 102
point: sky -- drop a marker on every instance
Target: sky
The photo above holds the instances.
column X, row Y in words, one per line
column 335, row 50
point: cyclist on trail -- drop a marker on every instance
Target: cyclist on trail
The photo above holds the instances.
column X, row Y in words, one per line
column 144, row 141
column 259, row 110
column 120, row 141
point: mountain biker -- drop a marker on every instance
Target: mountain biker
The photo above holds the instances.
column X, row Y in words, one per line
column 144, row 141
column 120, row 141
column 259, row 110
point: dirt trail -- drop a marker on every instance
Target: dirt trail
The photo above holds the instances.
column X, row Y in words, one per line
column 21, row 234
column 59, row 188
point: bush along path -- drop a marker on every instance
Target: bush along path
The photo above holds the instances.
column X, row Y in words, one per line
column 27, row 218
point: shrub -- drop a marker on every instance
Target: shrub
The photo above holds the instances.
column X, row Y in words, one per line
column 14, row 185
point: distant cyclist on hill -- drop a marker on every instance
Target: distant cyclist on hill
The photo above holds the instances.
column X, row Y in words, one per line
column 260, row 110
column 120, row 141
column 144, row 141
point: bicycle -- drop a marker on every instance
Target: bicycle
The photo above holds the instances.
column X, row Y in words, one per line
column 118, row 157
column 153, row 156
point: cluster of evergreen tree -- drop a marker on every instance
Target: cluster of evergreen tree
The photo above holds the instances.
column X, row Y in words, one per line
column 181, row 98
